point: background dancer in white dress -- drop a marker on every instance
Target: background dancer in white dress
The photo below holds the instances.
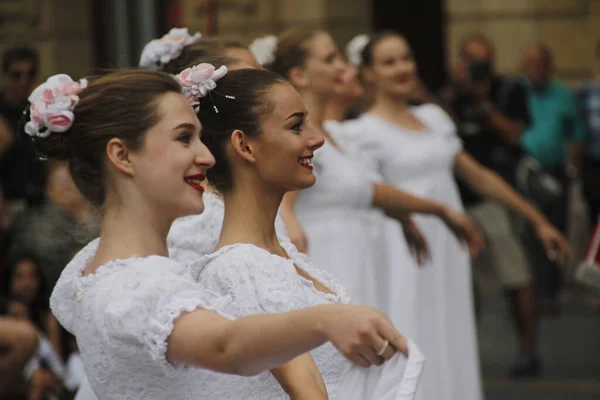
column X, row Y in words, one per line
column 416, row 149
column 343, row 213
column 138, row 315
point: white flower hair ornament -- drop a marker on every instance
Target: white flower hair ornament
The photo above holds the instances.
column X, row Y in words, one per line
column 355, row 48
column 161, row 51
column 198, row 81
column 264, row 49
column 52, row 105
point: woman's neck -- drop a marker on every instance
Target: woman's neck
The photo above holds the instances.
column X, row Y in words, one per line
column 250, row 214
column 316, row 106
column 388, row 107
column 131, row 231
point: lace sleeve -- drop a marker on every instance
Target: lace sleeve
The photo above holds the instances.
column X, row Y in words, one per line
column 145, row 301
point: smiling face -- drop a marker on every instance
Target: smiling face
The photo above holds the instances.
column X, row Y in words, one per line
column 394, row 70
column 171, row 164
column 284, row 149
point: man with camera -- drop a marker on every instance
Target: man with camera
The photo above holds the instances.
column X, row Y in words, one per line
column 491, row 113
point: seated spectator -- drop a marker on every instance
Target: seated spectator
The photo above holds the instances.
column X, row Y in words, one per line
column 53, row 231
column 18, row 341
column 26, row 283
column 45, row 370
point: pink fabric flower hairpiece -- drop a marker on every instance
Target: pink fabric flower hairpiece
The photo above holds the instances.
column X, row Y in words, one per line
column 196, row 82
column 52, row 105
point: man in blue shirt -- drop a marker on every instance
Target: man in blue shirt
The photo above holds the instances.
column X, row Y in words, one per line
column 553, row 138
column 589, row 104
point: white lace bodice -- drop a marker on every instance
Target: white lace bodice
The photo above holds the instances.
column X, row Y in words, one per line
column 122, row 316
column 258, row 282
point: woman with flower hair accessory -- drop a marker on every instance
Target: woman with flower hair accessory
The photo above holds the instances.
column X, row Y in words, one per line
column 262, row 154
column 138, row 315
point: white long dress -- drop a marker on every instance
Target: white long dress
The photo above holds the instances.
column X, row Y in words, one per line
column 422, row 164
column 349, row 237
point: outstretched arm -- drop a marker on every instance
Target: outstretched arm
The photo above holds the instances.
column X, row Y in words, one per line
column 250, row 345
column 489, row 184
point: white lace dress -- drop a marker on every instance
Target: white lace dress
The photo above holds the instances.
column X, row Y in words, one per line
column 259, row 282
column 122, row 316
column 442, row 303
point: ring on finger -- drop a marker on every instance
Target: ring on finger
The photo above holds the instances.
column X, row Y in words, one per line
column 385, row 346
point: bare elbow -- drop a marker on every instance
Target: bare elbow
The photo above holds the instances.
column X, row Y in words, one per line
column 233, row 363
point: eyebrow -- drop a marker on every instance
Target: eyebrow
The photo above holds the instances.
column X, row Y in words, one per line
column 301, row 114
column 185, row 125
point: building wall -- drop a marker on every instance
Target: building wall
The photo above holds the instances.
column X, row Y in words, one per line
column 247, row 19
column 63, row 40
column 569, row 27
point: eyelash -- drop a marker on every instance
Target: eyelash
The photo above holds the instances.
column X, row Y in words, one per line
column 298, row 127
column 185, row 138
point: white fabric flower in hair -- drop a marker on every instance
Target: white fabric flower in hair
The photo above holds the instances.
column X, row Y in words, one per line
column 355, row 47
column 52, row 105
column 198, row 80
column 264, row 49
column 161, row 51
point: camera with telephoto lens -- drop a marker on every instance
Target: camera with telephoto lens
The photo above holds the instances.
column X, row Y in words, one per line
column 480, row 71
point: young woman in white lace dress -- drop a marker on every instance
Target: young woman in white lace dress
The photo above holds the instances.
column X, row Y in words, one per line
column 340, row 220
column 417, row 149
column 139, row 317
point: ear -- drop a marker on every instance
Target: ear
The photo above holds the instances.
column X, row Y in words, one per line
column 119, row 156
column 298, row 77
column 242, row 147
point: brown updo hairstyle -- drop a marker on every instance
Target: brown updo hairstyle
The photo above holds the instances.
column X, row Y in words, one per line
column 374, row 40
column 200, row 51
column 292, row 50
column 190, row 55
column 118, row 105
column 218, row 61
column 249, row 87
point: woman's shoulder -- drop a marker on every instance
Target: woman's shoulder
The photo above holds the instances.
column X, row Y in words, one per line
column 235, row 258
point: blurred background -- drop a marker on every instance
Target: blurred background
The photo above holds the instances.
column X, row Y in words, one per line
column 81, row 37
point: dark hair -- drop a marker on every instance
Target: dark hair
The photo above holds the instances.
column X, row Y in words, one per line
column 38, row 308
column 292, row 50
column 233, row 44
column 249, row 87
column 218, row 61
column 374, row 40
column 118, row 105
column 190, row 55
column 16, row 54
